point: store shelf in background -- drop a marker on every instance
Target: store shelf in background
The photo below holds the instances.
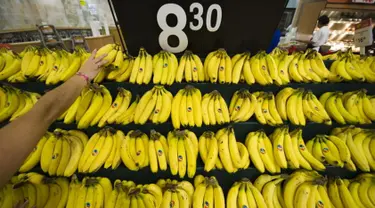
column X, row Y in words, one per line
column 225, row 89
column 225, row 179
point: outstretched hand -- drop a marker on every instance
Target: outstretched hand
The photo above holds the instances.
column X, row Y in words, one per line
column 92, row 65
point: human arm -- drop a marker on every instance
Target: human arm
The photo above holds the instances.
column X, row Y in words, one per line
column 18, row 138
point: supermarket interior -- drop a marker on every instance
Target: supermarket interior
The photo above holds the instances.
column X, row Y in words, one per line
column 187, row 104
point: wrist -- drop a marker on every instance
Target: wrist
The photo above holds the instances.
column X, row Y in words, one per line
column 84, row 77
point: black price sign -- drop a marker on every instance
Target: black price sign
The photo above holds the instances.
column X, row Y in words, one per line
column 200, row 26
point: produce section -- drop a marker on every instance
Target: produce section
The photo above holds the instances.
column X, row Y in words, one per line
column 227, row 126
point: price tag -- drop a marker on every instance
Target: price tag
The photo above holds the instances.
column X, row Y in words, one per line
column 363, row 33
column 201, row 26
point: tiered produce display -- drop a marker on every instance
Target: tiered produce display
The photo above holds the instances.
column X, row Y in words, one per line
column 155, row 131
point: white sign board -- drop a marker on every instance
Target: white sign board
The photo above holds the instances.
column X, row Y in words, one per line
column 364, row 1
column 363, row 33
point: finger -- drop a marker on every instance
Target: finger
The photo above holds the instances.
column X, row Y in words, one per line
column 93, row 54
column 100, row 58
column 102, row 62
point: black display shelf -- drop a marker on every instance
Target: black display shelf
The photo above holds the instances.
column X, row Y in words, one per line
column 226, row 180
column 224, row 89
column 241, row 129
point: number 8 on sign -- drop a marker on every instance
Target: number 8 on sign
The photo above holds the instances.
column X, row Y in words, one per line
column 179, row 12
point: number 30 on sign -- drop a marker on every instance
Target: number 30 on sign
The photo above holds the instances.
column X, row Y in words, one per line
column 199, row 14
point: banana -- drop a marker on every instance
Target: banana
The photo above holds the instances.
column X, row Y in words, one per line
column 269, row 191
column 315, row 163
column 258, row 70
column 34, row 156
column 291, row 106
column 182, row 159
column 106, row 105
column 278, row 148
column 252, row 147
column 103, row 154
column 88, row 150
column 55, row 194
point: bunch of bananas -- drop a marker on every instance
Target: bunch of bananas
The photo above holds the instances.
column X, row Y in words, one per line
column 157, row 151
column 120, row 112
column 91, row 192
column 214, row 109
column 265, row 70
column 164, row 68
column 348, row 67
column 242, row 69
column 15, row 103
column 142, row 68
column 266, row 111
column 281, row 150
column 89, row 108
column 218, row 67
column 296, row 105
column 187, row 110
column 190, row 69
column 176, row 193
column 38, row 190
column 331, row 150
column 349, row 108
column 182, row 152
column 242, row 106
column 64, row 65
column 244, row 194
column 60, row 153
column 103, row 148
column 127, row 194
column 208, row 192
column 123, row 73
column 355, row 147
column 136, row 148
column 115, row 59
column 223, row 151
column 155, row 105
column 308, row 67
column 10, row 64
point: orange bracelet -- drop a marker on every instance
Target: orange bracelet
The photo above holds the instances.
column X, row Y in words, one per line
column 84, row 76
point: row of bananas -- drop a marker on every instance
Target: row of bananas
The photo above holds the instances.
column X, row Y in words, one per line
column 300, row 189
column 163, row 68
column 303, row 189
column 62, row 152
column 15, row 103
column 188, row 108
column 354, row 107
column 222, row 151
